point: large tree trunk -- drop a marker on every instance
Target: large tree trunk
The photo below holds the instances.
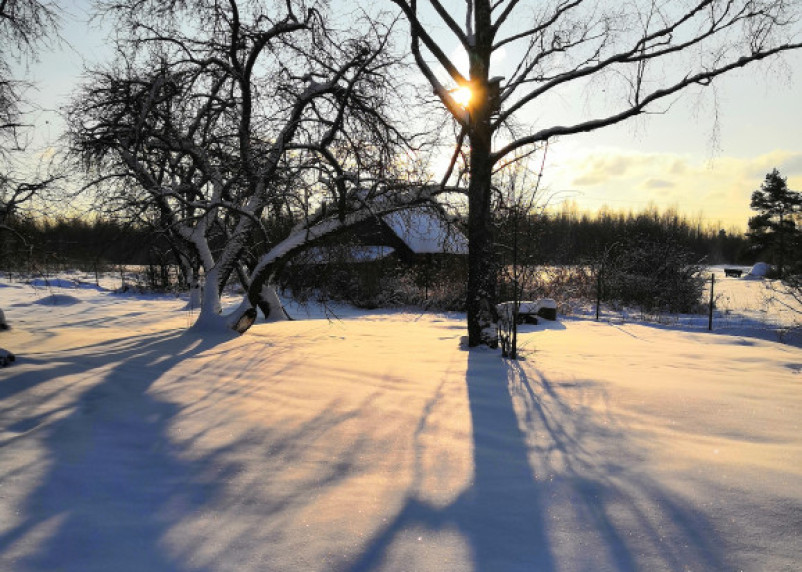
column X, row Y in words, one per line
column 270, row 304
column 481, row 291
column 210, row 317
column 481, row 294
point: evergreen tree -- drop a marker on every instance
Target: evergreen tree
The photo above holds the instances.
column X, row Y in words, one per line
column 774, row 230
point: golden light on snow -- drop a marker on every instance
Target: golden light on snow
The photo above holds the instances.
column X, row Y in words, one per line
column 462, row 95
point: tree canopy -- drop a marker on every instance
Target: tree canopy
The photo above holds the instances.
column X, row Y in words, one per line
column 774, row 230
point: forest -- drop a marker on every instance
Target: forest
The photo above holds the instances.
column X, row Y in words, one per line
column 564, row 236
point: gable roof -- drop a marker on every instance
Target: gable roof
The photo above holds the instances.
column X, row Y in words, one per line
column 425, row 231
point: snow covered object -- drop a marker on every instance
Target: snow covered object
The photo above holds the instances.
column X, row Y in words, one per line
column 759, row 270
column 6, row 357
column 529, row 311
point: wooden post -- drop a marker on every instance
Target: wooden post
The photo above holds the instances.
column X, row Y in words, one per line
column 598, row 290
column 710, row 315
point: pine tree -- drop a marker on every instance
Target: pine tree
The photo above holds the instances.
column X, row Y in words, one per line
column 774, row 230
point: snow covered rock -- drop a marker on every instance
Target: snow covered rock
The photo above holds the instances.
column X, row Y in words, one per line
column 6, row 357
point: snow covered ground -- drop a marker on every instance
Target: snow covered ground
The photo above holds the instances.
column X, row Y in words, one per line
column 374, row 442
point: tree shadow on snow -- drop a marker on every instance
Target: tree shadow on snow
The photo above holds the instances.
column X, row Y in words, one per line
column 556, row 486
column 123, row 491
column 114, row 482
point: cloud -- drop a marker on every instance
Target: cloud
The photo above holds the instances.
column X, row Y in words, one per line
column 658, row 184
column 596, row 169
column 792, row 165
column 720, row 188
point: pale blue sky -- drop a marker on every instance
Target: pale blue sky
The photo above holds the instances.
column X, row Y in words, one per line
column 675, row 159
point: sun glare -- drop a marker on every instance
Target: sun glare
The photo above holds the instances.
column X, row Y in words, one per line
column 462, row 95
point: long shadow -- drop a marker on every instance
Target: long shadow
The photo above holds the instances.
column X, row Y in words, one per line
column 556, row 485
column 597, row 479
column 135, row 482
column 501, row 515
column 114, row 483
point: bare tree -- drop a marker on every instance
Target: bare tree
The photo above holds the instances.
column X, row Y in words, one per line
column 225, row 117
column 25, row 25
column 518, row 205
column 634, row 57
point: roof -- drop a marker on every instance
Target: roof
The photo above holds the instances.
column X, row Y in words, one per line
column 426, row 232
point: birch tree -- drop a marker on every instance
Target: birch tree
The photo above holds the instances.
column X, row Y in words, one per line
column 634, row 58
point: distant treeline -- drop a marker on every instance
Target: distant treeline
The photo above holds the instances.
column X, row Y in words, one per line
column 76, row 242
column 564, row 237
column 570, row 236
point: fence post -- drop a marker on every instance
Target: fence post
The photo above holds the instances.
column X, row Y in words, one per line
column 598, row 290
column 710, row 314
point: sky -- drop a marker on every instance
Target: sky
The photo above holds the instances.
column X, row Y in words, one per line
column 704, row 156
column 687, row 159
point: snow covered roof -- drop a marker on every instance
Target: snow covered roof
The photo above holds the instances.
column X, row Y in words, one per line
column 351, row 254
column 424, row 232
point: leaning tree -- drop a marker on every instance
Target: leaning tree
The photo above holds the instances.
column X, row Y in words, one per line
column 220, row 118
column 632, row 58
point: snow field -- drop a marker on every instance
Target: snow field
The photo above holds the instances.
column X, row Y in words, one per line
column 376, row 443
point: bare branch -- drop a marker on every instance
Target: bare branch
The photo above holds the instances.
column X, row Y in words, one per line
column 640, row 104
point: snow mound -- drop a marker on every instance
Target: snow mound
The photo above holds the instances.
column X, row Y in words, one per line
column 58, row 300
column 759, row 270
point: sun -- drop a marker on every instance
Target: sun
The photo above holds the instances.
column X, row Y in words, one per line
column 462, row 95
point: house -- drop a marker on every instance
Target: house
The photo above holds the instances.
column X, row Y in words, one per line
column 401, row 257
column 413, row 235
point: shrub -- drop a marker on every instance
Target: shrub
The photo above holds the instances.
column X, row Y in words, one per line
column 656, row 275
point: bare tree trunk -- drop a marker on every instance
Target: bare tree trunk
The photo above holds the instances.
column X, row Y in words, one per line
column 481, row 292
column 211, row 308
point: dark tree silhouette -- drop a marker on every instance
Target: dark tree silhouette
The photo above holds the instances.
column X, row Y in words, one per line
column 226, row 118
column 25, row 25
column 636, row 57
column 774, row 229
